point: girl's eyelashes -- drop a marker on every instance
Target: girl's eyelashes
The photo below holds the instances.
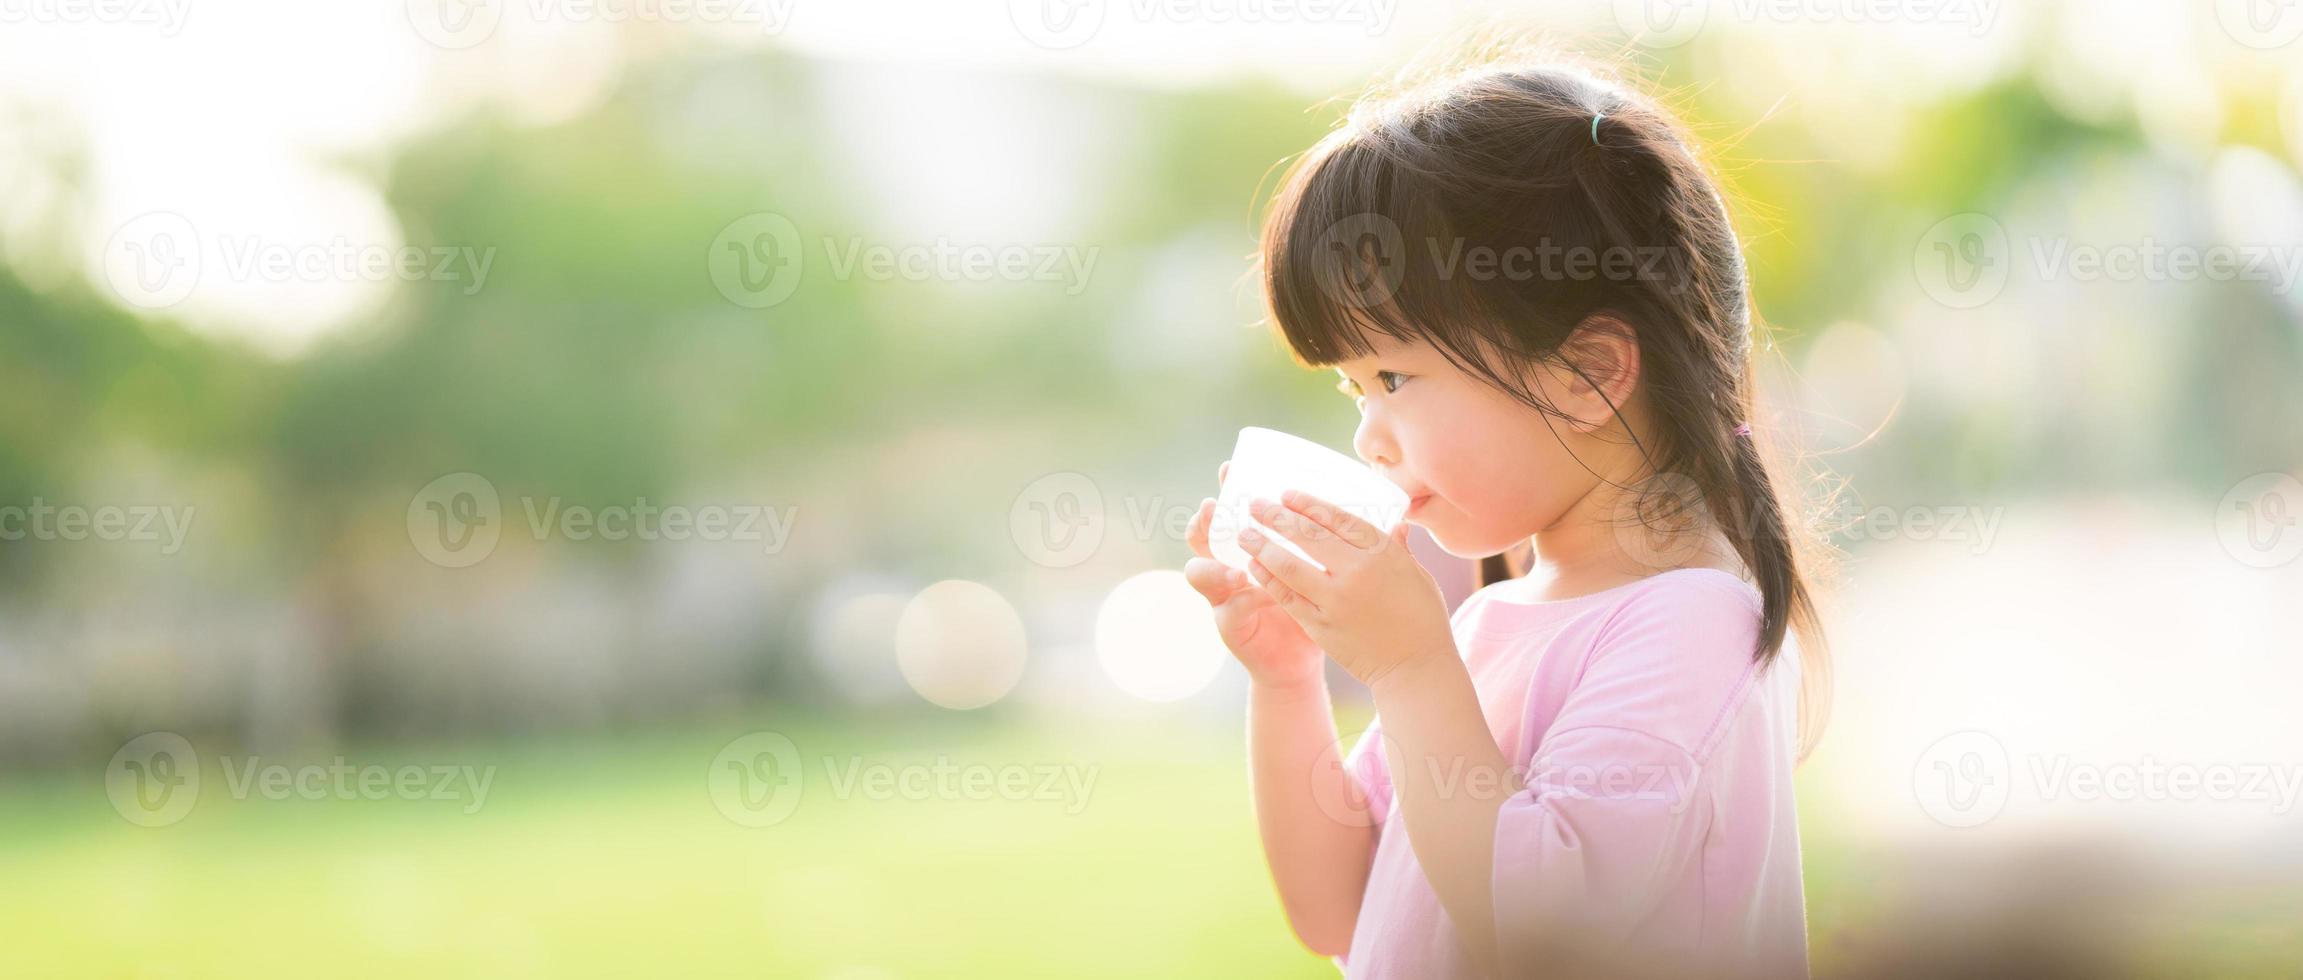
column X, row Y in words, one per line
column 1390, row 380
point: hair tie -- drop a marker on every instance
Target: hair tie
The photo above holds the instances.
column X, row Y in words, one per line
column 1595, row 118
column 1743, row 430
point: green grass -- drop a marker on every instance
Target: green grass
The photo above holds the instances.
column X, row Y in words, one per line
column 610, row 859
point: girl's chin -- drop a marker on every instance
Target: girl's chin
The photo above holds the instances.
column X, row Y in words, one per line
column 1455, row 545
column 1446, row 529
column 1441, row 538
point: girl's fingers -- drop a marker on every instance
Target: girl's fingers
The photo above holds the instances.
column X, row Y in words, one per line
column 1211, row 578
column 1222, row 470
column 1280, row 593
column 1196, row 533
column 1315, row 539
column 1352, row 528
column 1282, row 574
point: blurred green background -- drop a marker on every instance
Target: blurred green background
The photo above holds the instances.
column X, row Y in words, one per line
column 400, row 311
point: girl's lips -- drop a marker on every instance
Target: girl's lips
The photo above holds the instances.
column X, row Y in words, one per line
column 1416, row 503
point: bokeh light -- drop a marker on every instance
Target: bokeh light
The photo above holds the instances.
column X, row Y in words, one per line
column 1155, row 638
column 960, row 644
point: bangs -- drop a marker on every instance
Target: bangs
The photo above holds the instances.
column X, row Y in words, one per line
column 1360, row 244
column 1334, row 261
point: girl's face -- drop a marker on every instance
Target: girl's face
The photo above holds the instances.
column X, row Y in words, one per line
column 1483, row 471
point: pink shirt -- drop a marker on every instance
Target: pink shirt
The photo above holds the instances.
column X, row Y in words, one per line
column 1657, row 825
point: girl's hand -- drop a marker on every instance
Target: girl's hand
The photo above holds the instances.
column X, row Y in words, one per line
column 1275, row 651
column 1374, row 610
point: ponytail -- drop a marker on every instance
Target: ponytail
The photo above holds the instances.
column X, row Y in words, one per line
column 1778, row 556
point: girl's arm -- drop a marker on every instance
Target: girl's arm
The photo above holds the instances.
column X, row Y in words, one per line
column 1378, row 613
column 1319, row 859
column 1450, row 781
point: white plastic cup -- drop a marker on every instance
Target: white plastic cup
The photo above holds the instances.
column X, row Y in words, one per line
column 1267, row 462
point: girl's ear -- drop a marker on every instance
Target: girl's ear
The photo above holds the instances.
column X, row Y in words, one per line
column 1603, row 353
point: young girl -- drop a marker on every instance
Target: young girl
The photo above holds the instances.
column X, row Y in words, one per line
column 1531, row 290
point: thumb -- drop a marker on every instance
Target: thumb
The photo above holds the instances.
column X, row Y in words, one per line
column 1399, row 534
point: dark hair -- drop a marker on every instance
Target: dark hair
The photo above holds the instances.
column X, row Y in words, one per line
column 1546, row 159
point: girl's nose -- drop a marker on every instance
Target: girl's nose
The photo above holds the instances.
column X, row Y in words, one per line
column 1373, row 442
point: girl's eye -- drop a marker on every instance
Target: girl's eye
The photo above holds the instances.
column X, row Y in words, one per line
column 1390, row 380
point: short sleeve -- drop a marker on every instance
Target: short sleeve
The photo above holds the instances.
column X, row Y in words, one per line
column 1615, row 809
